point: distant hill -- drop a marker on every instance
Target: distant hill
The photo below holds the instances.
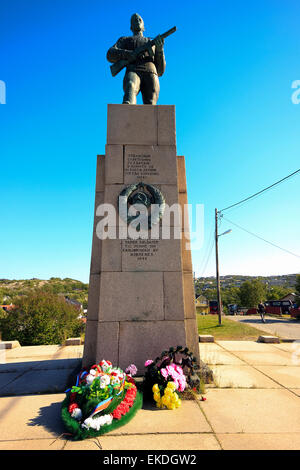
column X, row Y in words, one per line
column 78, row 290
column 72, row 288
column 276, row 287
column 285, row 280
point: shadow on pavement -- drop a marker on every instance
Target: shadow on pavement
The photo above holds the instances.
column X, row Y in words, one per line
column 38, row 377
column 49, row 418
column 48, row 364
column 268, row 321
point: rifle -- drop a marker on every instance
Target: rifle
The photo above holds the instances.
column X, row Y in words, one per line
column 118, row 66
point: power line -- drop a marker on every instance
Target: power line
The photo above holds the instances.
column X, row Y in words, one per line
column 207, row 247
column 260, row 192
column 208, row 257
column 207, row 253
column 257, row 236
column 242, row 203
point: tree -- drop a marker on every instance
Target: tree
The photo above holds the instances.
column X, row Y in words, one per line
column 229, row 295
column 251, row 293
column 277, row 292
column 40, row 318
column 2, row 296
column 297, row 289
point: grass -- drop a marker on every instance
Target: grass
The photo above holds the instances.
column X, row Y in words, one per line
column 228, row 330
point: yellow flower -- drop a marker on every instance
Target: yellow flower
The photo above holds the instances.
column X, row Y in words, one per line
column 156, row 396
column 171, row 407
column 171, row 386
column 165, row 400
column 155, row 388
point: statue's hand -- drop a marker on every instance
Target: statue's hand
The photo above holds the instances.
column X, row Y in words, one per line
column 159, row 43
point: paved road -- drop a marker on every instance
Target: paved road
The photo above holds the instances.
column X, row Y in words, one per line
column 278, row 326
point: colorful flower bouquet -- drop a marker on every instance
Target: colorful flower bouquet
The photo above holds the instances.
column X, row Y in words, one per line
column 169, row 376
column 104, row 398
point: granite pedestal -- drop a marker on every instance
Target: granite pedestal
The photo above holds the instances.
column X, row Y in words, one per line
column 141, row 294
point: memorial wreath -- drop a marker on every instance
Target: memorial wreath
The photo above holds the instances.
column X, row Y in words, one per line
column 103, row 399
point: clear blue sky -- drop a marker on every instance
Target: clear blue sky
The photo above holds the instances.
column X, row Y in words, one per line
column 229, row 72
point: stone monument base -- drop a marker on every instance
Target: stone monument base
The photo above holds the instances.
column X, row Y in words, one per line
column 141, row 293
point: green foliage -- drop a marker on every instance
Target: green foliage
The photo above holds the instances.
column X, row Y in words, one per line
column 40, row 318
column 2, row 296
column 297, row 289
column 229, row 295
column 75, row 290
column 276, row 287
column 210, row 294
column 95, row 391
column 277, row 292
column 251, row 293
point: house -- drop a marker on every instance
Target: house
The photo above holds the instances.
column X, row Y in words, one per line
column 202, row 305
column 291, row 297
column 73, row 302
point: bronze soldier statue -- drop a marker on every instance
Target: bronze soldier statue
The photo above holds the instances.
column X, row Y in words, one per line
column 142, row 67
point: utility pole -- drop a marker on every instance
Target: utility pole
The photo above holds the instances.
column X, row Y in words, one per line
column 217, row 270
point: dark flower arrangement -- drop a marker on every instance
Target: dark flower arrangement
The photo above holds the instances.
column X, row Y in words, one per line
column 176, row 365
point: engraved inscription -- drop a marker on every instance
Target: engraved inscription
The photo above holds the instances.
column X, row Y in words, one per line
column 140, row 166
column 141, row 250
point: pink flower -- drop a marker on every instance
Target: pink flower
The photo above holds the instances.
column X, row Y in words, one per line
column 176, row 383
column 131, row 370
column 179, row 369
column 148, row 362
column 182, row 383
column 164, row 373
column 172, row 372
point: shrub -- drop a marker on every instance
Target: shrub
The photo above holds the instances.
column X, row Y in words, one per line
column 40, row 318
